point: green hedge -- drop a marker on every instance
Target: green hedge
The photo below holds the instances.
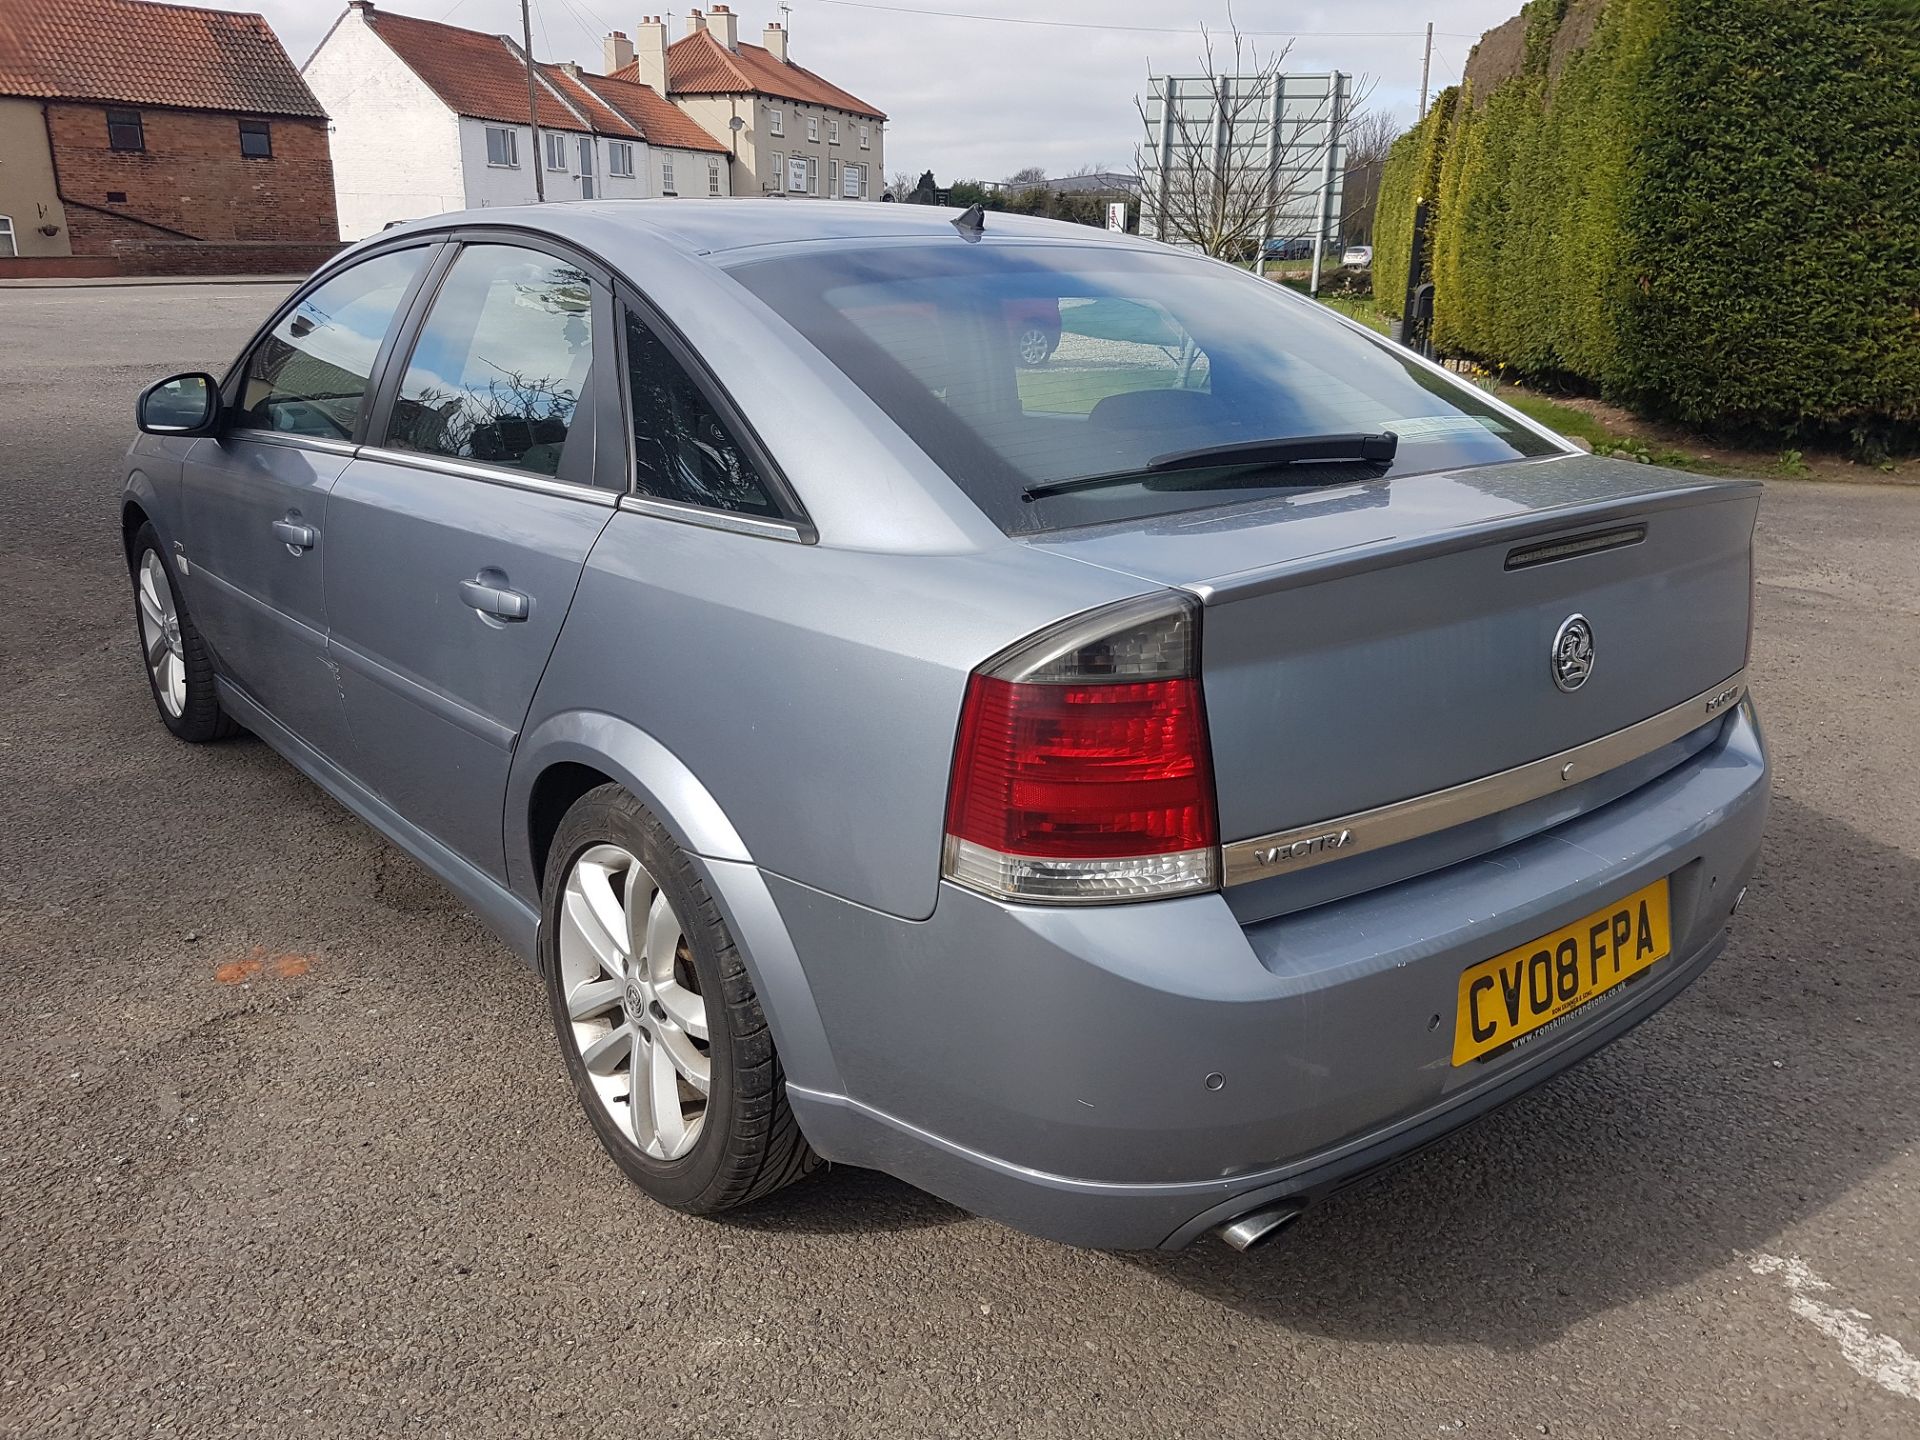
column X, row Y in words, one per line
column 1412, row 172
column 1710, row 211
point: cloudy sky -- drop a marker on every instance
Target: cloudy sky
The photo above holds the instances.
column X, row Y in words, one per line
column 984, row 96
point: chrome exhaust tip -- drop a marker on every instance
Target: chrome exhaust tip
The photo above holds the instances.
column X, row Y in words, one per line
column 1255, row 1228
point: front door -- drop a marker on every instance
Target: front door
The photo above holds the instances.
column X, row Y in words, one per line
column 458, row 540
column 255, row 498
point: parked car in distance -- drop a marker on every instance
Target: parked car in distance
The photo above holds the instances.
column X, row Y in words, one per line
column 1131, row 802
column 1288, row 247
column 1357, row 257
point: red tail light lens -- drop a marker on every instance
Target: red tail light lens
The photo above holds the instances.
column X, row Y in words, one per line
column 1082, row 771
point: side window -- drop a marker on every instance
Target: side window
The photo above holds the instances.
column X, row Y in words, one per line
column 682, row 451
column 309, row 376
column 501, row 363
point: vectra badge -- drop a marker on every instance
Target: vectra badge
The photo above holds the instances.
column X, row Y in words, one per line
column 1573, row 653
column 1300, row 849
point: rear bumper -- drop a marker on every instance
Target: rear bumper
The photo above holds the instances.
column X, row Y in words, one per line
column 1130, row 1077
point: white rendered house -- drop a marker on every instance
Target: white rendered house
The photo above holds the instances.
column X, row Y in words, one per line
column 428, row 118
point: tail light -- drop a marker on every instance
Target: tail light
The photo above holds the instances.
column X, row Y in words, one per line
column 1082, row 772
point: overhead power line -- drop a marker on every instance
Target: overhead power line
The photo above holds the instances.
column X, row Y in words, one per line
column 1138, row 29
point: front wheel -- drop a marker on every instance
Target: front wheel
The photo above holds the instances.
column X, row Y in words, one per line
column 179, row 670
column 657, row 1017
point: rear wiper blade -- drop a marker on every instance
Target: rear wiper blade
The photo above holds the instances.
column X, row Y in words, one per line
column 1357, row 449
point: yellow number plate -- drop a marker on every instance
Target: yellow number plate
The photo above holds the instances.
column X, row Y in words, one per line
column 1519, row 992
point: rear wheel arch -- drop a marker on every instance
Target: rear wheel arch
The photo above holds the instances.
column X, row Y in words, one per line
column 555, row 791
column 565, row 757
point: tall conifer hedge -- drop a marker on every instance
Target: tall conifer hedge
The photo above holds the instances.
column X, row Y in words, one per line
column 1710, row 211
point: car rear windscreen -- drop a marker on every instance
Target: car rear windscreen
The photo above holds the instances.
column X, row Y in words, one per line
column 1021, row 365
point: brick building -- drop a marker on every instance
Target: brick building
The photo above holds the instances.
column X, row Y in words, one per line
column 145, row 138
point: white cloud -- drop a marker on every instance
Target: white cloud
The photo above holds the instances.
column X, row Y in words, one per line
column 970, row 98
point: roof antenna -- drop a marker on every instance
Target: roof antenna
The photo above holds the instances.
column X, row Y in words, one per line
column 971, row 223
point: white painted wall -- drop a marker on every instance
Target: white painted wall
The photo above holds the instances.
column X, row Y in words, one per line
column 395, row 146
column 495, row 185
column 689, row 172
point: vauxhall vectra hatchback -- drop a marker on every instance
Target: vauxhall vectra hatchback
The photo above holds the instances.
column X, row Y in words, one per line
column 1130, row 785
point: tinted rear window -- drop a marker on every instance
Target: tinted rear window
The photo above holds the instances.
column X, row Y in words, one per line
column 1017, row 365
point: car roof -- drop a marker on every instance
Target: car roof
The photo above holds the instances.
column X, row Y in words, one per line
column 715, row 227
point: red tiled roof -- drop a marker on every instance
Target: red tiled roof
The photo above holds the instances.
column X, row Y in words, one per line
column 475, row 74
column 659, row 122
column 602, row 116
column 698, row 64
column 141, row 54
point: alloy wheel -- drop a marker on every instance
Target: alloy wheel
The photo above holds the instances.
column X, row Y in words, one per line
column 1034, row 346
column 160, row 635
column 633, row 1001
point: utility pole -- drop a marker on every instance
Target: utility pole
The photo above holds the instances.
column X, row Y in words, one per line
column 1426, row 69
column 533, row 104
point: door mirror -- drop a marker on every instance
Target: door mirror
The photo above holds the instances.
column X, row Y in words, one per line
column 181, row 405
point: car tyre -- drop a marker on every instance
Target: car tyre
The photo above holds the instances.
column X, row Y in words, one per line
column 1035, row 346
column 632, row 943
column 179, row 669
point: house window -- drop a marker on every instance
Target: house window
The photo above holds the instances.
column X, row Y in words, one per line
column 256, row 139
column 813, row 127
column 503, row 148
column 713, row 177
column 833, row 132
column 125, row 130
column 776, row 123
column 866, row 138
column 619, row 159
column 813, row 176
column 777, row 170
column 666, row 176
column 8, row 249
column 833, row 177
column 556, row 152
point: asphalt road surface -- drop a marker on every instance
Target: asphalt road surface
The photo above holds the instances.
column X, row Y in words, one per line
column 286, row 1147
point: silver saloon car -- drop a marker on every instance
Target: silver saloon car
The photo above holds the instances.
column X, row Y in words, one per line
column 1131, row 797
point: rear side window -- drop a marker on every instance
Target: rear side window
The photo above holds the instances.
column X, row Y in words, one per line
column 1023, row 368
column 309, row 376
column 502, row 362
column 682, row 450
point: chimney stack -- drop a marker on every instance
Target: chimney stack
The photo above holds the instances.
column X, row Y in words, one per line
column 696, row 22
column 616, row 52
column 725, row 26
column 650, row 52
column 775, row 39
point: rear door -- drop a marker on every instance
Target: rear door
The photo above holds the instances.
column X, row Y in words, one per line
column 255, row 498
column 459, row 533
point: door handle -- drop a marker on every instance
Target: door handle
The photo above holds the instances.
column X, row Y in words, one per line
column 495, row 600
column 295, row 535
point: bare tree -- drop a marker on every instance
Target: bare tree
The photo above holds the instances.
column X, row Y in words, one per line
column 1027, row 179
column 1369, row 137
column 901, row 185
column 1208, row 177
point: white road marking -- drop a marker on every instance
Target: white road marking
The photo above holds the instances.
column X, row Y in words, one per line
column 1879, row 1358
